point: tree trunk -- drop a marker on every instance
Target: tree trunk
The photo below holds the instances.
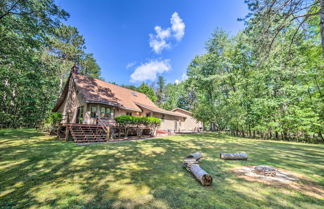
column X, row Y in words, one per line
column 320, row 135
column 197, row 156
column 201, row 175
column 322, row 24
column 234, row 156
column 191, row 164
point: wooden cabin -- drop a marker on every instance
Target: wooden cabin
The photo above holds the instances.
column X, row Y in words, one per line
column 87, row 104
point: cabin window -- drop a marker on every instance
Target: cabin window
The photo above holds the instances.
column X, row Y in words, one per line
column 105, row 112
column 80, row 113
column 129, row 113
column 148, row 114
column 93, row 110
column 163, row 116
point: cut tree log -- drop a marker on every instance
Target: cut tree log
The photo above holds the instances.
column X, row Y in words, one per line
column 201, row 175
column 197, row 156
column 234, row 156
column 191, row 164
column 188, row 162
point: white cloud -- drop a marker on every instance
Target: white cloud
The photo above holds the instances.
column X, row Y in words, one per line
column 158, row 41
column 162, row 38
column 131, row 64
column 178, row 26
column 177, row 81
column 162, row 34
column 149, row 70
column 158, row 44
column 183, row 78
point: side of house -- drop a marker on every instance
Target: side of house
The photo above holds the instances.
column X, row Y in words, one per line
column 190, row 124
column 86, row 99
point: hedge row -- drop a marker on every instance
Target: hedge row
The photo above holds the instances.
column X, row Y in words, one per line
column 136, row 120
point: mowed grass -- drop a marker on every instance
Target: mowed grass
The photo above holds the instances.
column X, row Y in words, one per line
column 37, row 171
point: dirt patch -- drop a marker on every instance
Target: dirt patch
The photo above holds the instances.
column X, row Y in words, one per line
column 281, row 178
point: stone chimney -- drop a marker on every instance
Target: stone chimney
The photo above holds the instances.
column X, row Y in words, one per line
column 75, row 69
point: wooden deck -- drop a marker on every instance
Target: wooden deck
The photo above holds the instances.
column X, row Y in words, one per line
column 83, row 133
column 79, row 125
column 89, row 133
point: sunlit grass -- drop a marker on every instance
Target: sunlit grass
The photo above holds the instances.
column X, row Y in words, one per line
column 37, row 171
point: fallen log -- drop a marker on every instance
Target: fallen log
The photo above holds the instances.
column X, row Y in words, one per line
column 197, row 156
column 191, row 164
column 234, row 156
column 201, row 175
column 188, row 162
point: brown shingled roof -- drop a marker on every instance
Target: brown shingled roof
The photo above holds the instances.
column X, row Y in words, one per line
column 160, row 110
column 97, row 91
column 181, row 111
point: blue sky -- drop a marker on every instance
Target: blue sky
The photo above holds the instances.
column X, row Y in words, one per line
column 134, row 41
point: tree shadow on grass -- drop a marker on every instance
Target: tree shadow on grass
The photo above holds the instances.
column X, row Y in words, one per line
column 140, row 174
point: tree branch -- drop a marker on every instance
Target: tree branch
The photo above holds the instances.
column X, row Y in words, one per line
column 9, row 11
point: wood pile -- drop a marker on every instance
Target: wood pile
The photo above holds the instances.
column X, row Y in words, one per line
column 265, row 170
column 191, row 164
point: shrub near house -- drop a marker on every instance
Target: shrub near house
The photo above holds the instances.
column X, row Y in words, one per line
column 126, row 122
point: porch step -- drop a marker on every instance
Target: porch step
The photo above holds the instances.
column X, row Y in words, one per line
column 84, row 133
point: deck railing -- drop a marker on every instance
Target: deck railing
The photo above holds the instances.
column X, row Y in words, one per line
column 106, row 123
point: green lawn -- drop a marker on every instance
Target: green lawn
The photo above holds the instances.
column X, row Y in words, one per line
column 38, row 171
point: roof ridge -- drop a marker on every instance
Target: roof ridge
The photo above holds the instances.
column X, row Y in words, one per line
column 180, row 109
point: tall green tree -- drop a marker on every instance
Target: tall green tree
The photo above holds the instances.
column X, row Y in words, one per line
column 160, row 90
column 148, row 91
column 273, row 17
column 174, row 96
column 36, row 54
column 279, row 97
column 89, row 66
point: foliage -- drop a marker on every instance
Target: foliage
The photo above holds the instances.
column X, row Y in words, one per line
column 177, row 95
column 37, row 52
column 51, row 123
column 148, row 91
column 272, row 18
column 152, row 121
column 127, row 122
column 54, row 118
column 278, row 96
column 137, row 120
column 145, row 89
column 160, row 90
column 126, row 119
column 148, row 173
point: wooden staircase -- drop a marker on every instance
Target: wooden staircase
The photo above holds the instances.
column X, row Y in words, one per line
column 82, row 133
